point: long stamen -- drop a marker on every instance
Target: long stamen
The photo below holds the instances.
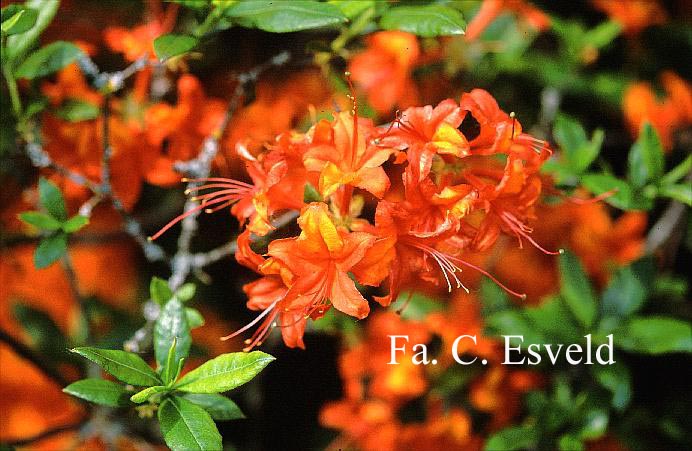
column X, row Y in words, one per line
column 253, row 322
column 233, row 192
column 512, row 221
column 522, row 296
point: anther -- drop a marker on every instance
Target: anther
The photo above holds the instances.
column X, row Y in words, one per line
column 184, row 180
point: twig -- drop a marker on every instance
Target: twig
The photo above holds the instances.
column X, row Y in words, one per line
column 200, row 167
column 28, row 354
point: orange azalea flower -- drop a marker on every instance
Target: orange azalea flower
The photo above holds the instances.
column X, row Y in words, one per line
column 343, row 155
column 633, row 15
column 491, row 9
column 182, row 127
column 78, row 145
column 672, row 113
column 587, row 229
column 384, row 70
column 139, row 41
column 314, row 266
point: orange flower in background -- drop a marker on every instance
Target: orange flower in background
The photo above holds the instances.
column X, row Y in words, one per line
column 633, row 15
column 601, row 243
column 492, row 9
column 139, row 41
column 384, row 70
column 674, row 112
column 182, row 128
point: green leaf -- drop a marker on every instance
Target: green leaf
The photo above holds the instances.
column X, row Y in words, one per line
column 569, row 442
column 219, row 407
column 512, row 438
column 169, row 45
column 678, row 172
column 601, row 183
column 628, row 289
column 352, row 9
column 603, row 34
column 159, row 291
column 20, row 22
column 681, row 193
column 310, row 194
column 224, row 372
column 543, row 317
column 186, row 292
column 194, row 318
column 144, row 395
column 51, row 199
column 186, row 426
column 74, row 110
column 49, row 250
column 40, row 220
column 48, row 59
column 512, row 322
column 618, row 380
column 45, row 335
column 655, row 335
column 645, row 161
column 593, row 424
column 427, row 21
column 18, row 44
column 569, row 134
column 284, row 17
column 576, row 289
column 168, row 372
column 75, row 223
column 171, row 325
column 418, row 305
column 125, row 366
column 99, row 391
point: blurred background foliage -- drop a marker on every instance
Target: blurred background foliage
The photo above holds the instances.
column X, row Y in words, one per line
column 606, row 82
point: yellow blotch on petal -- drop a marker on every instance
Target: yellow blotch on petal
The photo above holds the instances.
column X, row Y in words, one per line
column 318, row 227
column 449, row 140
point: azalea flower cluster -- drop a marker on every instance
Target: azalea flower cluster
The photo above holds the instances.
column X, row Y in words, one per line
column 393, row 207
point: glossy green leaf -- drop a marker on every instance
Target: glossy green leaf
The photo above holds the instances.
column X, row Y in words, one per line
column 601, row 183
column 512, row 438
column 125, row 366
column 352, row 9
column 19, row 22
column 169, row 45
column 628, row 289
column 580, row 152
column 603, row 34
column 144, row 395
column 40, row 220
column 512, row 322
column 50, row 250
column 618, row 380
column 284, row 17
column 186, row 292
column 51, row 199
column 194, row 318
column 75, row 223
column 576, row 289
column 219, row 407
column 569, row 442
column 74, row 110
column 171, row 325
column 655, row 335
column 186, row 426
column 681, row 193
column 427, row 21
column 168, row 372
column 19, row 43
column 224, row 372
column 99, row 391
column 645, row 161
column 159, row 291
column 48, row 59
